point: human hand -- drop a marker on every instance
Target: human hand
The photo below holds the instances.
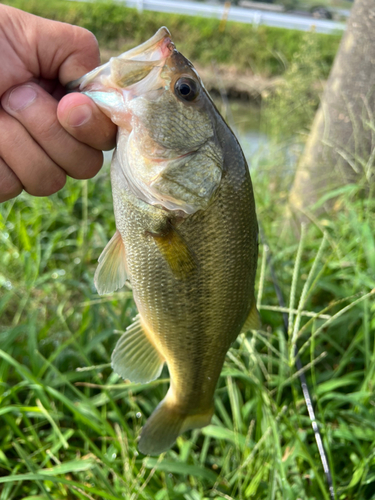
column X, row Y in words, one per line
column 41, row 139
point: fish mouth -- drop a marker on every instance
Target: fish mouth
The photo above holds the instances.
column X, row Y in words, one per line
column 130, row 67
column 159, row 46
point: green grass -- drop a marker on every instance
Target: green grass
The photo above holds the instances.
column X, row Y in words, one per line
column 68, row 425
column 262, row 50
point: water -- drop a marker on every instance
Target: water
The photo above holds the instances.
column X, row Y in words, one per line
column 259, row 147
column 245, row 120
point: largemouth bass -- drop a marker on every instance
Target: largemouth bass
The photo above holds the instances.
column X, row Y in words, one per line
column 186, row 234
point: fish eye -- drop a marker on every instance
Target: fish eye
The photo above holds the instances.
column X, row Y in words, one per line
column 186, row 89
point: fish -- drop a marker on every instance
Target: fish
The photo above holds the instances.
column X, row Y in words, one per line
column 186, row 231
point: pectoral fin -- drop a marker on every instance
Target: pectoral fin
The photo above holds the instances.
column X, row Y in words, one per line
column 253, row 320
column 176, row 252
column 111, row 272
column 134, row 357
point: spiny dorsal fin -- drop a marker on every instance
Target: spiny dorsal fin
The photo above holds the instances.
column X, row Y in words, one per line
column 111, row 272
column 253, row 320
column 176, row 252
column 134, row 357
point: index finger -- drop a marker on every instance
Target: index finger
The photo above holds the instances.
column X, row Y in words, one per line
column 48, row 49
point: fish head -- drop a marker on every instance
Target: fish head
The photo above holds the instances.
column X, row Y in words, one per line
column 167, row 146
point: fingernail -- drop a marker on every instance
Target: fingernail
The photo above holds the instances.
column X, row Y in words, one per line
column 21, row 97
column 79, row 115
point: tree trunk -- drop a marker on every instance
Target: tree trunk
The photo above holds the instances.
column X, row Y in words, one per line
column 340, row 147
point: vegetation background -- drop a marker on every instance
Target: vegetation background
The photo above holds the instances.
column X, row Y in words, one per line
column 69, row 426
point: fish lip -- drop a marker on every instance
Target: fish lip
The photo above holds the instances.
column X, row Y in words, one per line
column 162, row 36
column 158, row 48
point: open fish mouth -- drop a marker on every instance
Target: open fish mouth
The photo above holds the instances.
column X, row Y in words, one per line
column 128, row 68
column 165, row 148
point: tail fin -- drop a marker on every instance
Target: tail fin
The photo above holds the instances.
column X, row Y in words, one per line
column 161, row 429
column 166, row 424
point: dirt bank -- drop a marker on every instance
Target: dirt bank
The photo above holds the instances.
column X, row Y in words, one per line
column 237, row 84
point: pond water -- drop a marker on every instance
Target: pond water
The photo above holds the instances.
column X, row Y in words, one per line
column 245, row 120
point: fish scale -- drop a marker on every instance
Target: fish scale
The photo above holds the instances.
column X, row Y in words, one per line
column 186, row 232
column 182, row 332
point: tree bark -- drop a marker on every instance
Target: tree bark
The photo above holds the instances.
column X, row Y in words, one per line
column 340, row 147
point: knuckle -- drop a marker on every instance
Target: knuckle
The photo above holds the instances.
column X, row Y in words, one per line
column 10, row 187
column 56, row 183
column 9, row 196
column 87, row 40
column 51, row 185
column 89, row 167
column 47, row 131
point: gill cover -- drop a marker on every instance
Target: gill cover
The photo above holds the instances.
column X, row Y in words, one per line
column 165, row 146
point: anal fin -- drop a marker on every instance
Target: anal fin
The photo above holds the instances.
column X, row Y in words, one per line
column 111, row 272
column 176, row 252
column 253, row 320
column 134, row 357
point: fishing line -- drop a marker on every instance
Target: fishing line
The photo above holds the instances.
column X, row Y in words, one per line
column 299, row 366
